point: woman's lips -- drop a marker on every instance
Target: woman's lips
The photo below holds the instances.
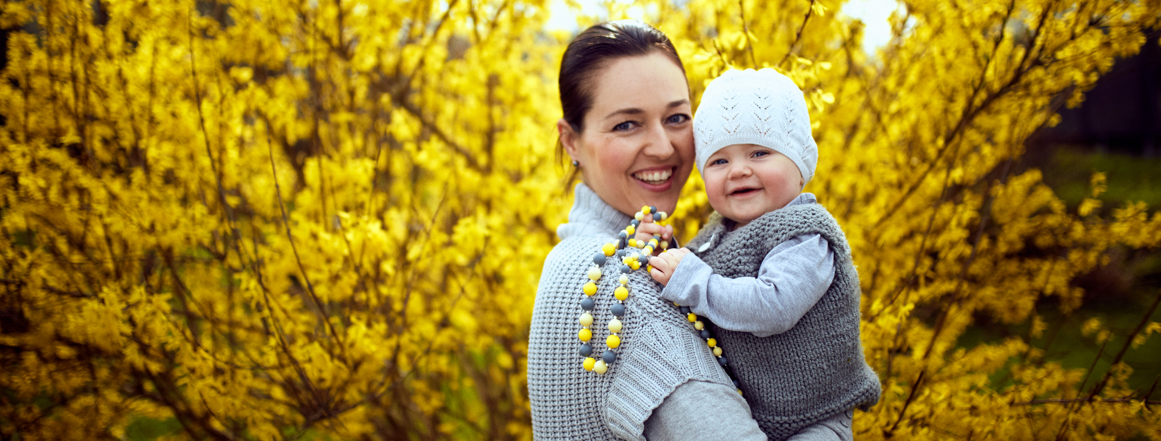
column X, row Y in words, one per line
column 656, row 179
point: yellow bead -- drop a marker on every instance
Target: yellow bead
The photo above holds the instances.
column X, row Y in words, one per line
column 718, row 351
column 639, row 216
column 590, row 288
column 739, row 391
column 615, row 326
column 648, row 250
column 589, row 363
column 691, row 317
column 595, row 273
column 635, row 265
column 624, row 279
column 621, row 293
column 712, row 342
column 664, row 246
column 613, row 341
column 629, row 230
column 653, row 243
column 633, row 243
column 609, row 249
column 585, row 334
column 660, row 216
column 600, row 367
column 586, row 319
column 649, row 268
column 645, row 210
column 698, row 325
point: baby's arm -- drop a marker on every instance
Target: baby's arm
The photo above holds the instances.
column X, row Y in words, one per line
column 792, row 278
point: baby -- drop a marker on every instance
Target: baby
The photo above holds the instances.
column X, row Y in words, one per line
column 772, row 270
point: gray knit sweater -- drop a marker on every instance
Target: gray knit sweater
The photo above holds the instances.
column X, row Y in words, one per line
column 815, row 369
column 659, row 349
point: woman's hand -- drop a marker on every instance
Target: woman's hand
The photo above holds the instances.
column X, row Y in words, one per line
column 647, row 229
column 665, row 264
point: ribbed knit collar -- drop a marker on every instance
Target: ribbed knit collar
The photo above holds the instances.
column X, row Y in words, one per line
column 591, row 216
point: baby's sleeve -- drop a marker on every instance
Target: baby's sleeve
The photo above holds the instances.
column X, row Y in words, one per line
column 792, row 278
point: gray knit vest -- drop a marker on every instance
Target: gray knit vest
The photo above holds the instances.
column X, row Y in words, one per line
column 816, row 369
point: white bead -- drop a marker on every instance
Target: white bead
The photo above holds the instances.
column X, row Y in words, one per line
column 615, row 326
column 600, row 367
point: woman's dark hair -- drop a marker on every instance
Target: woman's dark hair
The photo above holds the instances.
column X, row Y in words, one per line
column 591, row 51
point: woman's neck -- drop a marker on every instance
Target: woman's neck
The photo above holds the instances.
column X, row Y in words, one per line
column 591, row 215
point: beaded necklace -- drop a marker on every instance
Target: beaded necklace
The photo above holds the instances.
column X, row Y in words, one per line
column 633, row 254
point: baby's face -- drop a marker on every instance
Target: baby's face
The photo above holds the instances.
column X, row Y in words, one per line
column 745, row 181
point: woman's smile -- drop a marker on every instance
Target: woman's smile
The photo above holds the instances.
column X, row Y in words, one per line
column 656, row 177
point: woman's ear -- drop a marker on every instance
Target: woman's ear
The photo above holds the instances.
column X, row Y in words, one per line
column 568, row 139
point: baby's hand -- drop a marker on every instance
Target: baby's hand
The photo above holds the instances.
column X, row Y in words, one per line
column 665, row 264
column 647, row 229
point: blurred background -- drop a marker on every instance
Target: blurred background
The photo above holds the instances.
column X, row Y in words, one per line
column 326, row 219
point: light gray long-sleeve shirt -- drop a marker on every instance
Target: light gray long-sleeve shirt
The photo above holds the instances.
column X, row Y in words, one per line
column 794, row 275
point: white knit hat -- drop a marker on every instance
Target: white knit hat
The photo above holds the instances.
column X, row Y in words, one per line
column 760, row 107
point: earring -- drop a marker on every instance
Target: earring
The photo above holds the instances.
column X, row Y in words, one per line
column 575, row 163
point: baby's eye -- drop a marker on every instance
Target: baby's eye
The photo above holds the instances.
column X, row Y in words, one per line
column 677, row 118
column 718, row 162
column 760, row 153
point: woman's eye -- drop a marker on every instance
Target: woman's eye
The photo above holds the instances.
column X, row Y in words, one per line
column 677, row 118
column 623, row 126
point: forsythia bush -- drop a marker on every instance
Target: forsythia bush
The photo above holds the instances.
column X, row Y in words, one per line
column 326, row 219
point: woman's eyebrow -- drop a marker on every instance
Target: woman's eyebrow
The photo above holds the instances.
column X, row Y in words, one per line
column 625, row 111
column 636, row 111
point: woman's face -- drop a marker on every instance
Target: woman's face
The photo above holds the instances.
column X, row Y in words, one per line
column 637, row 144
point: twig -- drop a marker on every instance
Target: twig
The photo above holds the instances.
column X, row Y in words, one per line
column 798, row 35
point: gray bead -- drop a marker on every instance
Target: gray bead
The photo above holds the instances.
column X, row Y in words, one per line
column 618, row 309
column 634, row 223
column 586, row 350
column 722, row 360
column 643, row 259
column 587, row 304
column 609, row 356
column 684, row 310
column 599, row 258
column 622, row 235
column 626, row 269
column 706, row 334
column 737, row 385
column 620, row 253
column 653, row 209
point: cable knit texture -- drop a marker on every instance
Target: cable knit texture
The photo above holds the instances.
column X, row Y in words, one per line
column 659, row 349
column 816, row 369
column 760, row 107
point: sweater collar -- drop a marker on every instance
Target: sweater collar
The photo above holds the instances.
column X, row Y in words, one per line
column 591, row 216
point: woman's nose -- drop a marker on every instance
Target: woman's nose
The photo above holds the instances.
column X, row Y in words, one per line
column 658, row 144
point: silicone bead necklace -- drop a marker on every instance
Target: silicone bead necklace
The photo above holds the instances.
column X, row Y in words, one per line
column 631, row 260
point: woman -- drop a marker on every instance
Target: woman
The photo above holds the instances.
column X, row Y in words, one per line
column 627, row 129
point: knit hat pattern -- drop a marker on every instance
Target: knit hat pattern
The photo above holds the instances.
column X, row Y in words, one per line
column 760, row 107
